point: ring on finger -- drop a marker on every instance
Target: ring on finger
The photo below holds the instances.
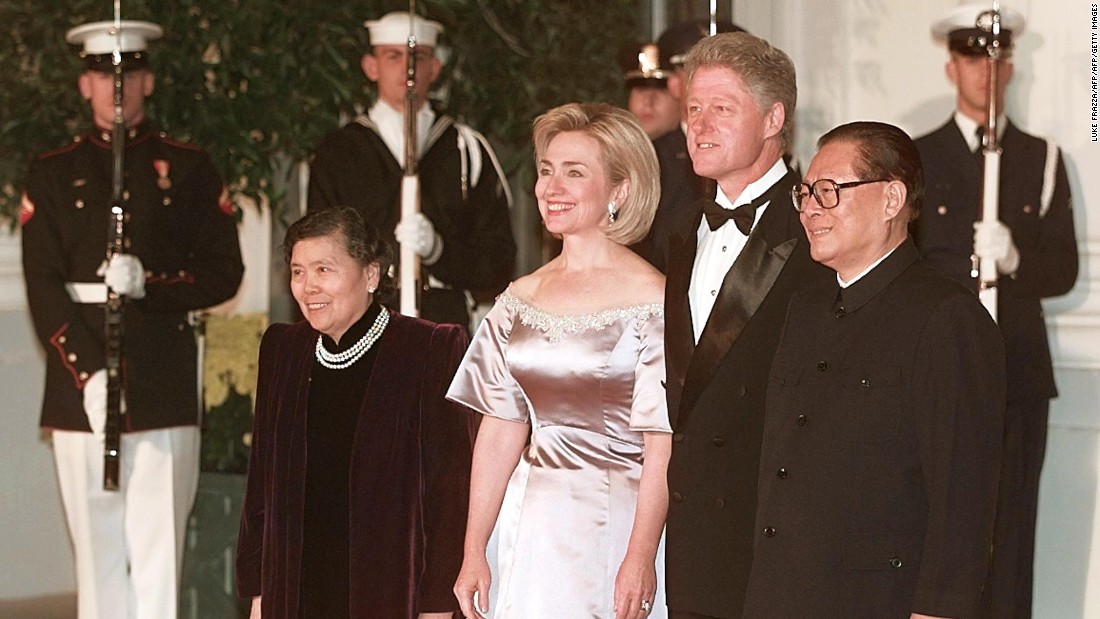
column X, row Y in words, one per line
column 647, row 606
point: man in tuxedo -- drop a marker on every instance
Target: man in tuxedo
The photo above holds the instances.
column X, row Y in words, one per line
column 1033, row 245
column 879, row 466
column 729, row 283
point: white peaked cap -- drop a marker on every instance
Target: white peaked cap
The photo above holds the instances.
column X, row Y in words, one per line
column 393, row 29
column 965, row 17
column 100, row 37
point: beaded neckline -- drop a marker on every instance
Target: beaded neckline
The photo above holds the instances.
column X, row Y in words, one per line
column 339, row 361
column 557, row 325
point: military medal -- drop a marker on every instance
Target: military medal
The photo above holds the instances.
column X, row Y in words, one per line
column 161, row 166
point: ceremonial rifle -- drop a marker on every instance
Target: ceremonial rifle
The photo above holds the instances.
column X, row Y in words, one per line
column 409, row 261
column 115, row 246
column 990, row 21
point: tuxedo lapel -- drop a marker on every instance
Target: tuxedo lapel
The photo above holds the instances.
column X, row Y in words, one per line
column 744, row 288
column 679, row 333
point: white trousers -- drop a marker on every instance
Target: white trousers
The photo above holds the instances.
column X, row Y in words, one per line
column 128, row 544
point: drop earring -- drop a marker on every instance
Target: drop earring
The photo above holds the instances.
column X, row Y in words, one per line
column 612, row 214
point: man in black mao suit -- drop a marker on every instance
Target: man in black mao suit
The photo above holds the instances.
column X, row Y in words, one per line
column 728, row 287
column 879, row 467
column 1036, row 258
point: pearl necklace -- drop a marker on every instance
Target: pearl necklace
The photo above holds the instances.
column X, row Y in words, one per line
column 339, row 361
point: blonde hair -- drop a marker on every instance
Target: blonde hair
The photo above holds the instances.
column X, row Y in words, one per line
column 766, row 70
column 626, row 153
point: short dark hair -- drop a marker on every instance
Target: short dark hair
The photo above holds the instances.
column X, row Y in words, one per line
column 885, row 151
column 362, row 241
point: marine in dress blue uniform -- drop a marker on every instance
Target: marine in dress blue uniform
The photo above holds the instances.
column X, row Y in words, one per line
column 1036, row 237
column 181, row 254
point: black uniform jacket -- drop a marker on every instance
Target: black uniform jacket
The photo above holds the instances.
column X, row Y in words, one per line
column 716, row 402
column 410, row 475
column 680, row 188
column 354, row 167
column 1043, row 234
column 180, row 224
column 879, row 471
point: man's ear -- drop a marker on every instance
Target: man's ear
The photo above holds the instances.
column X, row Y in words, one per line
column 896, row 193
column 435, row 67
column 369, row 65
column 84, row 82
column 148, row 82
column 777, row 115
column 951, row 71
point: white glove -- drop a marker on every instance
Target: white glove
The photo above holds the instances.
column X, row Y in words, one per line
column 993, row 241
column 126, row 276
column 419, row 232
column 95, row 401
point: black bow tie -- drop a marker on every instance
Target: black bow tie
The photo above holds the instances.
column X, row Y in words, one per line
column 742, row 216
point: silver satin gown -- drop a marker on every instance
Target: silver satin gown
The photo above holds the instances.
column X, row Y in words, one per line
column 588, row 385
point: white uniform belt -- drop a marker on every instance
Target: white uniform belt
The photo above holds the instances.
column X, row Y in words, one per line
column 87, row 292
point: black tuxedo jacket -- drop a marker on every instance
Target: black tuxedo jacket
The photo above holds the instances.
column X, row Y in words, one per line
column 716, row 394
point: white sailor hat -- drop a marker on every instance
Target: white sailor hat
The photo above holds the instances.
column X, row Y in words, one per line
column 393, row 29
column 967, row 28
column 99, row 40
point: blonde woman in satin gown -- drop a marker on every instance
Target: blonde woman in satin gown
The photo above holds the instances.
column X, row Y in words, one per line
column 567, row 369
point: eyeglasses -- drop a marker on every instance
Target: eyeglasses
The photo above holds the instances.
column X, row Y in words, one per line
column 825, row 190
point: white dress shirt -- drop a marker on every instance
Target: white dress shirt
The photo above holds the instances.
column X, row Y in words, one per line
column 969, row 129
column 717, row 250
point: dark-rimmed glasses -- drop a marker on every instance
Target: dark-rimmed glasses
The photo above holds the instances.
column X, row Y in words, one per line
column 825, row 190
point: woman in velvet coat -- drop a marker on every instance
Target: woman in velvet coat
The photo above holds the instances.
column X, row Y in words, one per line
column 359, row 473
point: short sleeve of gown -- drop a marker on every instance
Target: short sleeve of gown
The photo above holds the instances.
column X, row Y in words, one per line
column 483, row 382
column 649, row 408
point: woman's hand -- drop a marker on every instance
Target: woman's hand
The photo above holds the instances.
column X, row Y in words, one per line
column 254, row 613
column 474, row 577
column 635, row 584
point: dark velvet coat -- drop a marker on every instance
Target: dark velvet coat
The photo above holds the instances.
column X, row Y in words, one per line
column 881, row 453
column 716, row 402
column 410, row 475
